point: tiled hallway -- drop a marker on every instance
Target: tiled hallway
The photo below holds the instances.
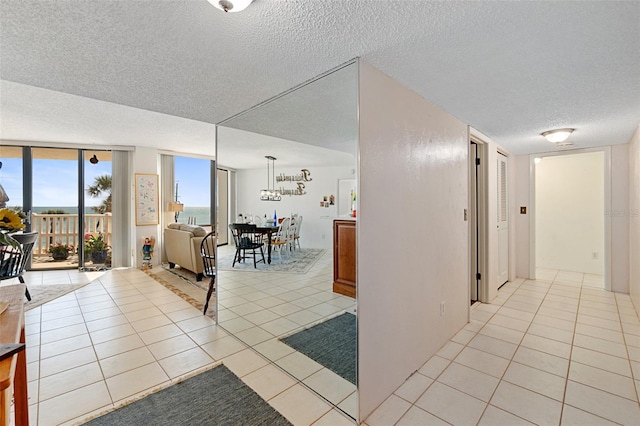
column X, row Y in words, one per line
column 558, row 350
column 554, row 351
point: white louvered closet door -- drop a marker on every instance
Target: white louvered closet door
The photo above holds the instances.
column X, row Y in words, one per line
column 503, row 221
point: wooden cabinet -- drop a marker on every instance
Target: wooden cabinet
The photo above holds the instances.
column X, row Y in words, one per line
column 344, row 257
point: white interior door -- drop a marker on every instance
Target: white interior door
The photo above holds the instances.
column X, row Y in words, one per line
column 503, row 221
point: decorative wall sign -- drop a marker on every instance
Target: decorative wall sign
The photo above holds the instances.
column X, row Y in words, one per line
column 304, row 176
column 146, row 199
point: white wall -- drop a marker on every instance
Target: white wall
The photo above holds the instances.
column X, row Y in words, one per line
column 619, row 217
column 522, row 222
column 412, row 237
column 634, row 218
column 570, row 212
column 145, row 160
column 317, row 224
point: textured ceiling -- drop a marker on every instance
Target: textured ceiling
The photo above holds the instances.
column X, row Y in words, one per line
column 509, row 69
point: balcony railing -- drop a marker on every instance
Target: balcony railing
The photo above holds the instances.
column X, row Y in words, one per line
column 64, row 229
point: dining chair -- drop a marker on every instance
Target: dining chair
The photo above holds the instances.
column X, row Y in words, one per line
column 258, row 221
column 281, row 238
column 246, row 237
column 293, row 224
column 295, row 235
column 13, row 261
column 208, row 253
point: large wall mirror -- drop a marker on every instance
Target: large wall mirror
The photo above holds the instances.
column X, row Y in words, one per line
column 287, row 309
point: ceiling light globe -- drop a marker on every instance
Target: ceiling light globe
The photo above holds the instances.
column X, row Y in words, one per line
column 231, row 5
column 558, row 135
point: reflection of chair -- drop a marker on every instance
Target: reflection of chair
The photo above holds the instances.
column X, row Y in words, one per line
column 208, row 252
column 246, row 238
column 13, row 261
column 257, row 220
column 281, row 239
column 294, row 233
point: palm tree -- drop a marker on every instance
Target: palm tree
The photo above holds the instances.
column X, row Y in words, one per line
column 101, row 184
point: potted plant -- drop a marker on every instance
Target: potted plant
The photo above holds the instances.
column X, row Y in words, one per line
column 97, row 248
column 60, row 251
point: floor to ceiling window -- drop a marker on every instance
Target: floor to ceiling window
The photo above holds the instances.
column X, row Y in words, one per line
column 193, row 183
column 66, row 196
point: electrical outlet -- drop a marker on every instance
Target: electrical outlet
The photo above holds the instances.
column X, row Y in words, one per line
column 594, row 255
column 442, row 308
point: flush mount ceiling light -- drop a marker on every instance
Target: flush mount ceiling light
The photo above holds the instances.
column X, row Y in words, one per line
column 231, row 5
column 558, row 135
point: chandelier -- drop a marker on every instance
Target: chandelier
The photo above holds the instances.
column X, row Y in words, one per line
column 270, row 194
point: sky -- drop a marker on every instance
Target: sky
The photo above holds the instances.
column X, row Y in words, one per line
column 192, row 176
column 55, row 181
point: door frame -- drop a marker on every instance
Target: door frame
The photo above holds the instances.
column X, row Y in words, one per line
column 606, row 150
column 499, row 200
column 482, row 243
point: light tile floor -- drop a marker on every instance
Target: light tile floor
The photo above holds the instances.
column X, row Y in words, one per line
column 557, row 350
column 124, row 335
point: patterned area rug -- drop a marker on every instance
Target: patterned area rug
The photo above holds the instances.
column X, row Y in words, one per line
column 184, row 284
column 296, row 262
column 41, row 294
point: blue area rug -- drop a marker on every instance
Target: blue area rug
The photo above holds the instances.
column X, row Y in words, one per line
column 331, row 343
column 296, row 262
column 215, row 397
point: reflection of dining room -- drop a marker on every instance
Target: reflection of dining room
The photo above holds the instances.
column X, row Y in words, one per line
column 262, row 303
column 261, row 308
column 291, row 175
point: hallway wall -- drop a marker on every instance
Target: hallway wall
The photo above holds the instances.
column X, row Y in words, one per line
column 634, row 217
column 412, row 236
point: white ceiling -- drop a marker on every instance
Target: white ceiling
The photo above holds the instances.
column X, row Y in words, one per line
column 162, row 72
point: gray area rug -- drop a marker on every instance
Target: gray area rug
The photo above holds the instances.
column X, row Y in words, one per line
column 331, row 343
column 296, row 262
column 215, row 397
column 41, row 294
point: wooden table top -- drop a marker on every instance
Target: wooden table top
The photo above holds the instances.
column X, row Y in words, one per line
column 11, row 324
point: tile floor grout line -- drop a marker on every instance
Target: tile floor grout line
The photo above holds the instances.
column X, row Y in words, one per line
column 511, row 359
column 573, row 337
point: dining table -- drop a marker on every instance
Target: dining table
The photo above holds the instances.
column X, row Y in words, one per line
column 267, row 231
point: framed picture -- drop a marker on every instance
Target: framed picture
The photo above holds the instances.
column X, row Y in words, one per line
column 147, row 199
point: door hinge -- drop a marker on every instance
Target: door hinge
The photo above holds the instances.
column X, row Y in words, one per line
column 477, row 161
column 478, row 276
